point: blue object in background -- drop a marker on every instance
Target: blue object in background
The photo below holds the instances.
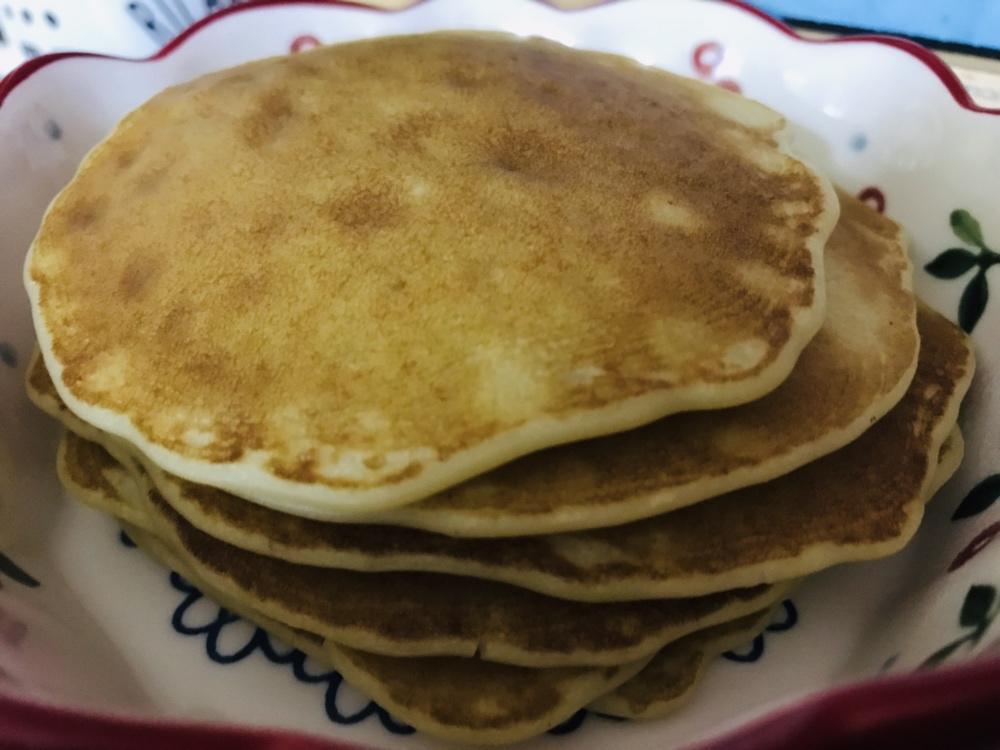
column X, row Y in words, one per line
column 974, row 23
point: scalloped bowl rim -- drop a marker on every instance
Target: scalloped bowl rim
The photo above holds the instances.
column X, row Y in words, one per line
column 828, row 711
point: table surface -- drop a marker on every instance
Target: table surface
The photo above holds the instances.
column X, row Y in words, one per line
column 973, row 23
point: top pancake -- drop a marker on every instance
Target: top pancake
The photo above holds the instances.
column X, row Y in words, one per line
column 342, row 281
column 853, row 371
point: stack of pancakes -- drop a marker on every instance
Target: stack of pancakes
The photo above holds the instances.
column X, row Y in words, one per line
column 508, row 379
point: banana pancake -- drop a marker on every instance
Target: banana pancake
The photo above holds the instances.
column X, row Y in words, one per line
column 341, row 281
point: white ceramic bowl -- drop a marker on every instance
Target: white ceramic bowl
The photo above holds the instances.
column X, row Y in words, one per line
column 108, row 629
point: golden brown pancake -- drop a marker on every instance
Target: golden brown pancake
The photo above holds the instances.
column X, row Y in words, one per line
column 96, row 479
column 470, row 701
column 853, row 371
column 862, row 502
column 670, row 678
column 491, row 703
column 342, row 281
column 856, row 368
column 519, row 702
column 460, row 700
column 424, row 614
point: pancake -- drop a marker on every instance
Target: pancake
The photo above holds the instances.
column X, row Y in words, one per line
column 423, row 614
column 481, row 246
column 842, row 383
column 862, row 502
column 670, row 678
column 97, row 480
column 460, row 700
column 445, row 705
column 381, row 548
column 470, row 701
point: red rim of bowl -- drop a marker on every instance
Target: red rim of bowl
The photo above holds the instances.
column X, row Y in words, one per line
column 936, row 65
column 897, row 712
column 947, row 707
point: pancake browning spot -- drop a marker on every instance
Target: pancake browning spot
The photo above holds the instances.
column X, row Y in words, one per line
column 273, row 111
column 367, row 207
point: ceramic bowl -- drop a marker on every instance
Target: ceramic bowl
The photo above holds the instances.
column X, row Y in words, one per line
column 88, row 622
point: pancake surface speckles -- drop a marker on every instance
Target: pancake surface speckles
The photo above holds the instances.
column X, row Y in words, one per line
column 480, row 247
